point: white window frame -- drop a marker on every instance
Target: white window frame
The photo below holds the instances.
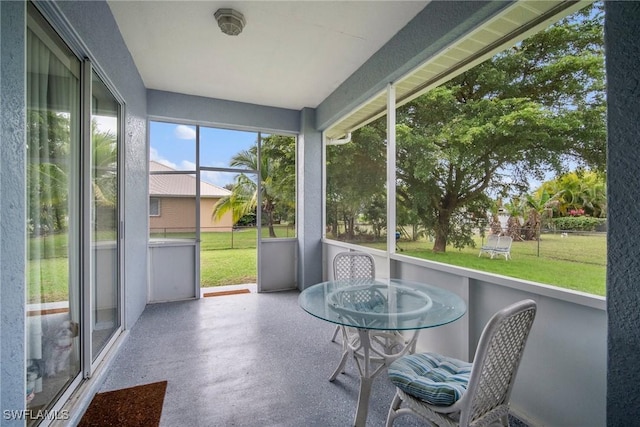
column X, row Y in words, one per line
column 157, row 212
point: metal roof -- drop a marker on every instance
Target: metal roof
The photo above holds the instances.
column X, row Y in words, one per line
column 175, row 184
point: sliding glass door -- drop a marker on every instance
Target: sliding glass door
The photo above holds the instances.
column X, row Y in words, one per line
column 53, row 215
column 73, row 218
column 104, row 215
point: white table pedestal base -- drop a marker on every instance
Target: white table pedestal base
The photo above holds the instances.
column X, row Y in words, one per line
column 372, row 351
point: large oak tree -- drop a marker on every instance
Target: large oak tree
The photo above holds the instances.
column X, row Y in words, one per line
column 534, row 108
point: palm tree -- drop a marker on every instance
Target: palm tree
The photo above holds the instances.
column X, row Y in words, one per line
column 579, row 190
column 539, row 202
column 243, row 199
column 595, row 198
column 105, row 163
column 515, row 209
column 49, row 142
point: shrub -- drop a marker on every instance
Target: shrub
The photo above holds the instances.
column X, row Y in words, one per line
column 578, row 223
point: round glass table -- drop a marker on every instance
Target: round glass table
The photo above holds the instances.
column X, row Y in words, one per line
column 378, row 310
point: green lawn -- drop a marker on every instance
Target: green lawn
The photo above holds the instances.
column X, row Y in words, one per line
column 227, row 267
column 229, row 258
column 577, row 262
column 52, row 274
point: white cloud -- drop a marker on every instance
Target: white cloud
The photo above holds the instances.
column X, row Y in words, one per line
column 186, row 165
column 215, row 164
column 212, row 177
column 153, row 154
column 185, row 132
column 155, row 157
column 106, row 124
column 216, row 178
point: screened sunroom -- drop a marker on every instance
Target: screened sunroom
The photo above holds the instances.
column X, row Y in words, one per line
column 362, row 118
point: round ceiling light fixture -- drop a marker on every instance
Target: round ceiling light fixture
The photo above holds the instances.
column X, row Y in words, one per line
column 230, row 21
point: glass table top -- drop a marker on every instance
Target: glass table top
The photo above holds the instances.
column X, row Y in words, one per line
column 393, row 304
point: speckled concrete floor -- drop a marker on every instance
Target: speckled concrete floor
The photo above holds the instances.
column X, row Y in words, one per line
column 245, row 360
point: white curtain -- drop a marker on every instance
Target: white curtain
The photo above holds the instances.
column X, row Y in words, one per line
column 37, row 135
column 52, row 135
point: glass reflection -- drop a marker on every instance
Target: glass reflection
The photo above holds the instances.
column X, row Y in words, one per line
column 53, row 117
column 104, row 215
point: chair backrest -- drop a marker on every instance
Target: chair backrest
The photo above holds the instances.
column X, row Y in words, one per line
column 496, row 361
column 492, row 241
column 504, row 243
column 353, row 265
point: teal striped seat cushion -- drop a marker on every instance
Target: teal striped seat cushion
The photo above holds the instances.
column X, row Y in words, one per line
column 431, row 377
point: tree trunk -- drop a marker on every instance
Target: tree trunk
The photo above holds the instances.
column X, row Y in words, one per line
column 514, row 229
column 440, row 243
column 442, row 232
column 495, row 226
column 269, row 211
column 532, row 226
column 58, row 220
column 335, row 227
column 348, row 227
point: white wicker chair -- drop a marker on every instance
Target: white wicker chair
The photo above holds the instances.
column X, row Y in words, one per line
column 490, row 377
column 352, row 265
column 503, row 247
column 490, row 245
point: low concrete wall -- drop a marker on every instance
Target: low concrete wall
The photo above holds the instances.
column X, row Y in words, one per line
column 562, row 378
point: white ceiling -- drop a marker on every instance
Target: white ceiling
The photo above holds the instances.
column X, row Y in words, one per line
column 291, row 54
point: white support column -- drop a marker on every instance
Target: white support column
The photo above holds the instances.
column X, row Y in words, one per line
column 468, row 348
column 391, row 173
column 198, row 237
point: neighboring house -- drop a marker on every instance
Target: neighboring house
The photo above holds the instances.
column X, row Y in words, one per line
column 172, row 202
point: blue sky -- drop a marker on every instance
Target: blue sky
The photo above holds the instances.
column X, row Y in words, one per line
column 174, row 145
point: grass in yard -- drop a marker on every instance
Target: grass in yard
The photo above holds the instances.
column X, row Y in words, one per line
column 48, row 268
column 577, row 262
column 230, row 258
column 49, row 246
column 227, row 267
column 52, row 274
column 565, row 274
column 226, row 257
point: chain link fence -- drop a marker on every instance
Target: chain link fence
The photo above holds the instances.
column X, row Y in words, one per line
column 215, row 238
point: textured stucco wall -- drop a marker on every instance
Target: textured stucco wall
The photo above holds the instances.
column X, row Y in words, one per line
column 622, row 47
column 437, row 25
column 95, row 25
column 12, row 209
